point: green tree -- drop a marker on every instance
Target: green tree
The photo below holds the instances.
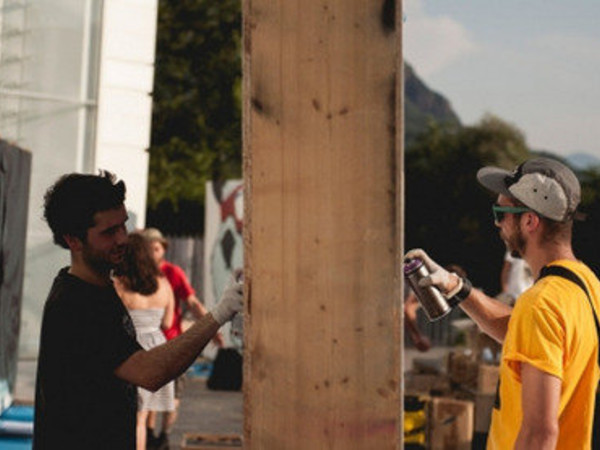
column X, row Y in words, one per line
column 196, row 121
column 586, row 239
column 447, row 212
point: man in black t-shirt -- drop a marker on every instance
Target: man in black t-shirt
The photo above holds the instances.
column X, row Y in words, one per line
column 86, row 334
column 89, row 361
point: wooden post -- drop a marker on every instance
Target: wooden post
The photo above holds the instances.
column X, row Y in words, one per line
column 323, row 229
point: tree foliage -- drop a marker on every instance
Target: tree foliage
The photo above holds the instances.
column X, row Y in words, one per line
column 196, row 122
column 586, row 238
column 446, row 211
column 196, row 137
column 449, row 214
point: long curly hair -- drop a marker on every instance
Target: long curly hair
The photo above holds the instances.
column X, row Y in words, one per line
column 138, row 270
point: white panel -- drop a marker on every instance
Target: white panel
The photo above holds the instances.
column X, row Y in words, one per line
column 54, row 46
column 124, row 118
column 129, row 47
column 128, row 75
column 141, row 3
column 130, row 31
column 215, row 226
column 131, row 166
column 49, row 130
column 136, row 18
column 125, row 104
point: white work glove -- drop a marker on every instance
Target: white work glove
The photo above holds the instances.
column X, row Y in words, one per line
column 448, row 283
column 232, row 299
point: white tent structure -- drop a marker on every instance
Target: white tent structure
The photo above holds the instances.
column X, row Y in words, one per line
column 76, row 78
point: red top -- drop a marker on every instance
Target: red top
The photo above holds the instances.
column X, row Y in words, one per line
column 182, row 290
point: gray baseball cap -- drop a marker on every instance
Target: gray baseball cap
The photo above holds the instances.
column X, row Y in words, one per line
column 545, row 185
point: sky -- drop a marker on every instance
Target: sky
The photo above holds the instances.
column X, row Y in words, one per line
column 533, row 63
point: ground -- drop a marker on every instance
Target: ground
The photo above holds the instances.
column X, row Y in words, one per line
column 202, row 410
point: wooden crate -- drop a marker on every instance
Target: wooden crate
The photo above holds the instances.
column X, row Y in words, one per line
column 487, row 379
column 425, row 383
column 204, row 441
column 451, row 424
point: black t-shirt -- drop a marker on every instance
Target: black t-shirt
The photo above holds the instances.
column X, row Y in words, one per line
column 79, row 402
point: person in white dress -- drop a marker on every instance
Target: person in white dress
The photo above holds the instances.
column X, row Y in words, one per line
column 516, row 277
column 147, row 295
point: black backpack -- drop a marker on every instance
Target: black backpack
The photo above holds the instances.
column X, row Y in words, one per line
column 226, row 374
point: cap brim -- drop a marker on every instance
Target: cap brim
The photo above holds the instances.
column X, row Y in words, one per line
column 494, row 179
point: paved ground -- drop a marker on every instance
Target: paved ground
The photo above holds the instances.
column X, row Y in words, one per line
column 202, row 410
column 206, row 411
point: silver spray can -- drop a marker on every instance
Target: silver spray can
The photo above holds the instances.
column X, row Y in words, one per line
column 431, row 299
column 237, row 324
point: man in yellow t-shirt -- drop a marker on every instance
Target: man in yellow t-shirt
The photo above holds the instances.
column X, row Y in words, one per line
column 549, row 369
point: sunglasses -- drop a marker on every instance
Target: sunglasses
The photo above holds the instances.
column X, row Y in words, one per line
column 500, row 211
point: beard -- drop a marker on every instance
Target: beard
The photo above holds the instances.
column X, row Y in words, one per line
column 102, row 262
column 515, row 243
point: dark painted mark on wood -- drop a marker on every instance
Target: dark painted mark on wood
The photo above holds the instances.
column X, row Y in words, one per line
column 383, row 392
column 257, row 104
column 388, row 16
column 316, row 104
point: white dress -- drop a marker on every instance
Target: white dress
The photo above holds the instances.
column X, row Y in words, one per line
column 149, row 335
column 520, row 277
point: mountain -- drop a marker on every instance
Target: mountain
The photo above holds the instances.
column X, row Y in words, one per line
column 421, row 105
column 583, row 161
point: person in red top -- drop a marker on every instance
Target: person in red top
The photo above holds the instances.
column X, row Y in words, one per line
column 184, row 293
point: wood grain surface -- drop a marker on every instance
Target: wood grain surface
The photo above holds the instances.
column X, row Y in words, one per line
column 323, row 224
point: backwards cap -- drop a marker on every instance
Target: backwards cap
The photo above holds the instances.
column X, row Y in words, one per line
column 545, row 185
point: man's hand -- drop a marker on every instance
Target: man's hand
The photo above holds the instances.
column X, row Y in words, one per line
column 439, row 277
column 231, row 302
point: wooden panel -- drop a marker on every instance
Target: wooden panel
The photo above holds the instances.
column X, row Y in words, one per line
column 322, row 161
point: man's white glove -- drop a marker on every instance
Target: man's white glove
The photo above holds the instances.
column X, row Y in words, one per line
column 448, row 283
column 232, row 299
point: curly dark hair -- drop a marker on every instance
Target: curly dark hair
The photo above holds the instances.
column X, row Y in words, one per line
column 138, row 270
column 71, row 203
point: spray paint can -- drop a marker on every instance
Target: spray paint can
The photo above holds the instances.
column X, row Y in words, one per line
column 431, row 299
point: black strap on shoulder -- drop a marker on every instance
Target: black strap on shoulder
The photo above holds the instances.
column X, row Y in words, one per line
column 563, row 272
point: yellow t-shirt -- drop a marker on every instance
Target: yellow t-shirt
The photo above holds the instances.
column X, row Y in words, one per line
column 552, row 329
